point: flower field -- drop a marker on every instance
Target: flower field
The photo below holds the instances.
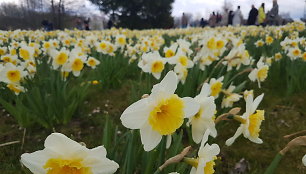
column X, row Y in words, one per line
column 196, row 100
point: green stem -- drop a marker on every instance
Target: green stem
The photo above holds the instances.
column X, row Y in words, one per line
column 272, row 167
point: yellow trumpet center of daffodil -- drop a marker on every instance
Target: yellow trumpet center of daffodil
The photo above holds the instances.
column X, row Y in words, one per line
column 47, row 45
column 262, row 74
column 2, row 52
column 121, row 41
column 209, row 168
column 110, row 49
column 103, row 46
column 14, row 88
column 211, row 44
column 216, row 88
column 260, row 43
column 169, row 53
column 296, row 52
column 7, row 59
column 183, row 60
column 24, row 54
column 304, row 56
column 13, row 52
column 13, row 75
column 61, row 58
column 61, row 166
column 220, row 44
column 294, row 44
column 278, row 56
column 157, row 67
column 167, row 115
column 92, row 62
column 269, row 40
column 77, row 65
column 255, row 122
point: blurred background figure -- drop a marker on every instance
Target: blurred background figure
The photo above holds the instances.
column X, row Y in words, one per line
column 184, row 21
column 110, row 24
column 230, row 17
column 219, row 18
column 212, row 20
column 225, row 16
column 261, row 15
column 272, row 16
column 47, row 26
column 237, row 20
column 203, row 23
column 252, row 16
column 78, row 23
column 86, row 24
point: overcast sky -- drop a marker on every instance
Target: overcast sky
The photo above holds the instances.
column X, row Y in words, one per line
column 202, row 8
column 205, row 7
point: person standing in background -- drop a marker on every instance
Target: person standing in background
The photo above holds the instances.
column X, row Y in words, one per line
column 237, row 20
column 225, row 16
column 184, row 21
column 252, row 16
column 273, row 14
column 86, row 24
column 261, row 15
column 230, row 17
column 212, row 20
column 203, row 23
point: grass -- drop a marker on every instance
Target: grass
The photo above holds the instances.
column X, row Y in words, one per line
column 284, row 115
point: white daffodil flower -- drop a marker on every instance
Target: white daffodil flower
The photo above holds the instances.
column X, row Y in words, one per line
column 207, row 155
column 204, row 119
column 260, row 73
column 250, row 121
column 162, row 113
column 62, row 155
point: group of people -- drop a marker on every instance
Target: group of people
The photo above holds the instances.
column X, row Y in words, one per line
column 82, row 25
column 235, row 18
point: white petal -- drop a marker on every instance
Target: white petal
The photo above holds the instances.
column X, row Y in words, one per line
column 214, row 150
column 304, row 160
column 230, row 141
column 149, row 138
column 156, row 75
column 205, row 138
column 191, row 107
column 256, row 103
column 98, row 152
column 104, row 166
column 35, row 161
column 167, row 85
column 249, row 103
column 193, row 170
column 201, row 165
column 169, row 140
column 205, row 91
column 198, row 129
column 209, row 107
column 256, row 140
column 252, row 75
column 76, row 73
column 60, row 144
column 136, row 114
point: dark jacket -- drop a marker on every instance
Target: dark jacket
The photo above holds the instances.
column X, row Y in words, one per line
column 252, row 16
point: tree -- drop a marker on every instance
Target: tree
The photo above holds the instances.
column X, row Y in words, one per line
column 138, row 14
